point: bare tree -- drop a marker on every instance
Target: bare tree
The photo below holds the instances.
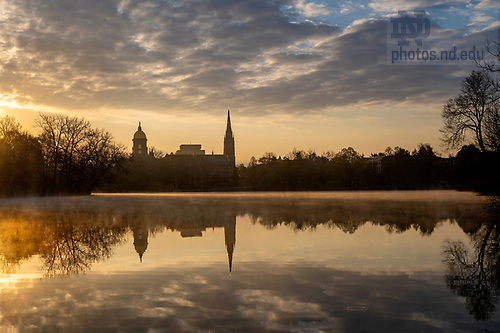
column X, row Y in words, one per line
column 471, row 111
column 491, row 65
column 60, row 138
column 77, row 157
column 97, row 157
column 21, row 161
column 8, row 126
column 492, row 129
column 156, row 153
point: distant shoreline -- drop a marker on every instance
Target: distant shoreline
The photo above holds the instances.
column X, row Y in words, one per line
column 377, row 195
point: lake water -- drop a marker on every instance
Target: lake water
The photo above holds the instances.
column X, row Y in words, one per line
column 253, row 262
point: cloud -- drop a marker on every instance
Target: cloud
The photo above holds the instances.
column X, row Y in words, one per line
column 481, row 14
column 148, row 54
column 348, row 6
column 198, row 56
column 396, row 5
column 488, row 4
column 353, row 70
column 481, row 19
column 311, row 9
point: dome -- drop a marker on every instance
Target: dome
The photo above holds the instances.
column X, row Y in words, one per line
column 139, row 134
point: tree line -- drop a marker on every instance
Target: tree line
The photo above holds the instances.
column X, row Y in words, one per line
column 68, row 157
column 393, row 169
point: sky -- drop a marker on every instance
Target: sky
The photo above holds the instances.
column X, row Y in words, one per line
column 310, row 75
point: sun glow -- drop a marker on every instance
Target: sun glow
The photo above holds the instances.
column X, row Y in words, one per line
column 11, row 281
column 9, row 101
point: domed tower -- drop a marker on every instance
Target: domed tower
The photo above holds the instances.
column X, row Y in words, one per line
column 140, row 143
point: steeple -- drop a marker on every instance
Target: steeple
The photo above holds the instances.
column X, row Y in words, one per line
column 139, row 128
column 229, row 131
column 229, row 141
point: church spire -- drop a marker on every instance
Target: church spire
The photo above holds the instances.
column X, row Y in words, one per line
column 139, row 128
column 229, row 142
column 229, row 131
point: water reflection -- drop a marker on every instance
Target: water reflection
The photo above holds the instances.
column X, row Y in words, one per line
column 67, row 242
column 476, row 276
column 141, row 231
column 70, row 235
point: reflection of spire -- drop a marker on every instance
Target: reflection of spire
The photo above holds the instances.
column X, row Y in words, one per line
column 140, row 239
column 230, row 239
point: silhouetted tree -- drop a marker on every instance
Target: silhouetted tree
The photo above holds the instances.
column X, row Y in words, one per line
column 468, row 165
column 97, row 157
column 21, row 161
column 77, row 157
column 492, row 65
column 8, row 127
column 349, row 168
column 475, row 112
column 425, row 161
column 398, row 169
column 493, row 121
column 472, row 111
column 156, row 153
column 492, row 129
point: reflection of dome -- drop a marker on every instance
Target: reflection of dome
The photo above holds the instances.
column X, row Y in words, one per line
column 139, row 134
column 140, row 239
column 140, row 249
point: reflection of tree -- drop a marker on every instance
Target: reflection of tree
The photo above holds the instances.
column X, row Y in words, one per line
column 350, row 216
column 74, row 248
column 66, row 243
column 18, row 241
column 477, row 277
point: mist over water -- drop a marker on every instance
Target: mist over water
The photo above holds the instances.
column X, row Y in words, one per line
column 267, row 262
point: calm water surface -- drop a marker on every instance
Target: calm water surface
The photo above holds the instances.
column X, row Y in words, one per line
column 255, row 262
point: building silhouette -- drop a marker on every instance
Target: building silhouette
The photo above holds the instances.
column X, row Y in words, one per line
column 189, row 167
column 140, row 143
